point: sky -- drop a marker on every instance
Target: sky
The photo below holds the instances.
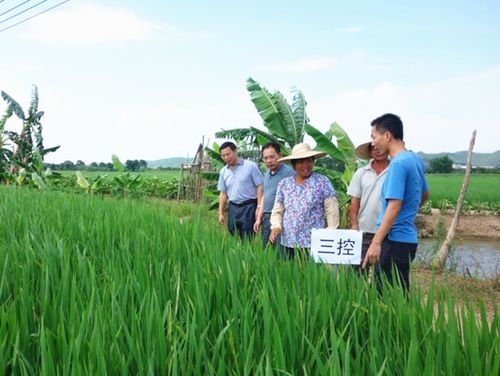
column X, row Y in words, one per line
column 149, row 79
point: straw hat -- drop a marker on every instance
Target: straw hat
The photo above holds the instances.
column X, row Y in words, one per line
column 364, row 151
column 301, row 151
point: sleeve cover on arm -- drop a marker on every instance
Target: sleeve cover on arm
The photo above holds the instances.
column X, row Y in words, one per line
column 277, row 215
column 331, row 212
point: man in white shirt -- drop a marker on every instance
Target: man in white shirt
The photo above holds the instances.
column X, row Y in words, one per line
column 365, row 191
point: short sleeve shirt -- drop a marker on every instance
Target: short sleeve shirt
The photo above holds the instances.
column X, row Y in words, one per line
column 271, row 182
column 240, row 182
column 304, row 208
column 405, row 181
column 367, row 186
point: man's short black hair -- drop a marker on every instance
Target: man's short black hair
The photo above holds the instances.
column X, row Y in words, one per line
column 228, row 144
column 273, row 145
column 389, row 123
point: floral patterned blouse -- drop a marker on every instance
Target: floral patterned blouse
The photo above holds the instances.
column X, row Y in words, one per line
column 303, row 208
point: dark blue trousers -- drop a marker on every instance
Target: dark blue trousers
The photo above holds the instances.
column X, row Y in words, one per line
column 395, row 255
column 241, row 219
column 266, row 228
column 266, row 232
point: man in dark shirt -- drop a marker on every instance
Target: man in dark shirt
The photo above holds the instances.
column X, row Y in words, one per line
column 277, row 171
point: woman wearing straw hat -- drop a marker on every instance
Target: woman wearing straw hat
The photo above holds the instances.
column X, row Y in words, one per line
column 303, row 202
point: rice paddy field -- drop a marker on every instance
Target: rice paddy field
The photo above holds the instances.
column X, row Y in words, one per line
column 483, row 188
column 93, row 285
column 483, row 192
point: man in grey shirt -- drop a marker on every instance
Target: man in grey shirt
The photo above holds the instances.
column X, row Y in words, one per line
column 240, row 182
column 277, row 171
column 365, row 191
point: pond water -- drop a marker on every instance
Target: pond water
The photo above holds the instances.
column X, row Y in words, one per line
column 478, row 258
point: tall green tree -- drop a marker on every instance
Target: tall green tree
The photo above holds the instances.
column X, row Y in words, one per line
column 5, row 151
column 28, row 148
column 443, row 165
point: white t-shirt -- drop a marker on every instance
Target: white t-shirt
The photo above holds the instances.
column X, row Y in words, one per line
column 367, row 185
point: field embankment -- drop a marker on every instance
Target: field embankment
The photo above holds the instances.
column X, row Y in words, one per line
column 474, row 226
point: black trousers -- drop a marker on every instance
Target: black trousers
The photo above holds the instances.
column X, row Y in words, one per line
column 395, row 255
column 241, row 218
column 367, row 240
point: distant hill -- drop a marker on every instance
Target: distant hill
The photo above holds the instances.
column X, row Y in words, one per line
column 168, row 162
column 460, row 157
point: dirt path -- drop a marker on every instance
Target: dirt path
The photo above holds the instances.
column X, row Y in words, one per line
column 469, row 225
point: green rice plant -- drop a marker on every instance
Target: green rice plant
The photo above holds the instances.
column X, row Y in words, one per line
column 95, row 285
column 482, row 188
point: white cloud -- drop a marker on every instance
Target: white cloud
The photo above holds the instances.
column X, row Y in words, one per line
column 438, row 117
column 163, row 129
column 302, row 65
column 94, row 24
column 354, row 58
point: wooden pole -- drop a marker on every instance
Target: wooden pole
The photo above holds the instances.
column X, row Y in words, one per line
column 180, row 183
column 444, row 251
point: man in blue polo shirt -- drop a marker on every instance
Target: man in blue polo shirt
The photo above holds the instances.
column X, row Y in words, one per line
column 240, row 182
column 277, row 171
column 403, row 192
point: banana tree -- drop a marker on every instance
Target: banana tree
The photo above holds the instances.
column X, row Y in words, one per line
column 96, row 186
column 285, row 123
column 5, row 152
column 29, row 150
column 125, row 183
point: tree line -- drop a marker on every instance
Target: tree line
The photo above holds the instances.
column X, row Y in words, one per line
column 444, row 165
column 130, row 165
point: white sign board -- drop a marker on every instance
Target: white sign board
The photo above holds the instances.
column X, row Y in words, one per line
column 336, row 246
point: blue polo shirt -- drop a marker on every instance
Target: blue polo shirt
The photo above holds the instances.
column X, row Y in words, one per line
column 404, row 181
column 240, row 182
column 271, row 184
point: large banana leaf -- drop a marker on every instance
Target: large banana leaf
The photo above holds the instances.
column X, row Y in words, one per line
column 82, row 181
column 299, row 113
column 347, row 175
column 268, row 109
column 344, row 143
column 334, row 176
column 216, row 148
column 343, row 151
column 4, row 118
column 283, row 121
column 16, row 108
column 237, row 134
column 252, row 134
column 32, row 111
column 325, row 144
column 49, row 150
column 37, row 180
column 293, row 133
column 214, row 153
column 117, row 164
column 262, row 140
